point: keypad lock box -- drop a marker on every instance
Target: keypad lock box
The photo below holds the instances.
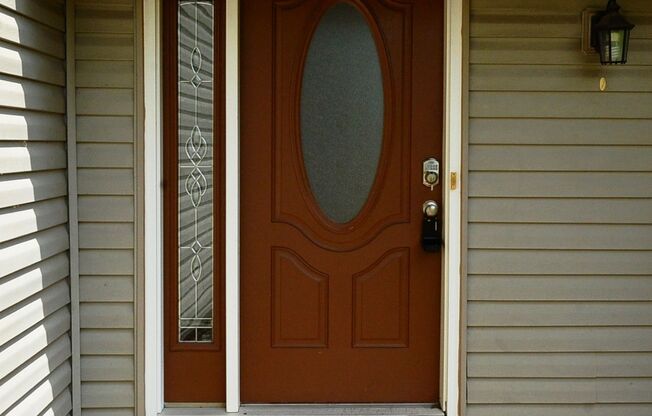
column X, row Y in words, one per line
column 431, row 239
column 430, row 173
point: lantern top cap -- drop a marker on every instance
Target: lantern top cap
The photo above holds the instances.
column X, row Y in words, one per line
column 612, row 19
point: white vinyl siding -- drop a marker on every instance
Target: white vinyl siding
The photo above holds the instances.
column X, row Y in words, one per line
column 35, row 344
column 559, row 286
column 105, row 173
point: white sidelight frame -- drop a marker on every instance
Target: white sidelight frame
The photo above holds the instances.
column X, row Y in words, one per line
column 153, row 251
column 232, row 196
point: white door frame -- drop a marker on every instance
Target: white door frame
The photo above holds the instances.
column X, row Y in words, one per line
column 153, row 252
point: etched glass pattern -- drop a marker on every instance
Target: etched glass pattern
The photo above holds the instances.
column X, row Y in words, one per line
column 195, row 162
column 342, row 111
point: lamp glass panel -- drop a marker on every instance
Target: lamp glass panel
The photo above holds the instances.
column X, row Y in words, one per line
column 605, row 46
column 617, row 39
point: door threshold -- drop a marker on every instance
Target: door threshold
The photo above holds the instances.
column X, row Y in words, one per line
column 314, row 410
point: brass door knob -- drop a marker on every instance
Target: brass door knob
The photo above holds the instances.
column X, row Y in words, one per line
column 430, row 209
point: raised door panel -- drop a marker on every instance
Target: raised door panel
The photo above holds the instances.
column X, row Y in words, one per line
column 299, row 302
column 381, row 309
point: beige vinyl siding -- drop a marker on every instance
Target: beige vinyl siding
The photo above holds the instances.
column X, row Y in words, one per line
column 105, row 162
column 35, row 342
column 559, row 312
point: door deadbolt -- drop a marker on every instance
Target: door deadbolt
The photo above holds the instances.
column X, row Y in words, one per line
column 430, row 173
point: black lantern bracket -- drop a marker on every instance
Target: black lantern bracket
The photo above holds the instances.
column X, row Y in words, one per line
column 587, row 20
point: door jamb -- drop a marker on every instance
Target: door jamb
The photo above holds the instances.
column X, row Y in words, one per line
column 452, row 188
column 453, row 122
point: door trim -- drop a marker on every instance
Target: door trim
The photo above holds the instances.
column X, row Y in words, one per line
column 153, row 252
column 452, row 189
column 232, row 197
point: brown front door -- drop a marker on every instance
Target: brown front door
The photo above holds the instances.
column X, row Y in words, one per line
column 341, row 102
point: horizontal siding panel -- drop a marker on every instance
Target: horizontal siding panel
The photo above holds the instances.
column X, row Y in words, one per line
column 560, row 105
column 532, row 51
column 106, row 235
column 23, row 125
column 105, row 129
column 35, row 346
column 559, row 365
column 558, row 184
column 106, row 4
column 107, row 341
column 561, row 236
column 106, row 155
column 31, row 95
column 106, row 288
column 29, row 250
column 27, row 282
column 105, row 181
column 552, row 6
column 525, row 23
column 542, row 51
column 105, row 74
column 105, row 101
column 603, row 409
column 546, row 78
column 531, row 391
column 109, row 368
column 112, row 47
column 44, row 394
column 559, row 281
column 30, row 375
column 28, row 33
column 560, row 158
column 539, row 23
column 105, row 148
column 107, row 394
column 104, row 20
column 106, row 262
column 106, row 315
column 536, row 262
column 560, row 131
column 560, row 211
column 559, row 288
column 533, row 314
column 61, row 406
column 106, row 208
column 31, row 157
column 47, row 12
column 29, row 64
column 15, row 321
column 29, row 218
column 108, row 412
column 560, row 339
column 21, row 349
column 560, row 391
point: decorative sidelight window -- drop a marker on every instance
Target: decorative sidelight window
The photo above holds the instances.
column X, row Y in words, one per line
column 195, row 227
column 192, row 40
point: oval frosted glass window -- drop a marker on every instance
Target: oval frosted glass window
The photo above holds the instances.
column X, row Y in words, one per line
column 342, row 112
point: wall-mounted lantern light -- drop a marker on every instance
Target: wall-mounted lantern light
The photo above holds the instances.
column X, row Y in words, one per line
column 609, row 34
